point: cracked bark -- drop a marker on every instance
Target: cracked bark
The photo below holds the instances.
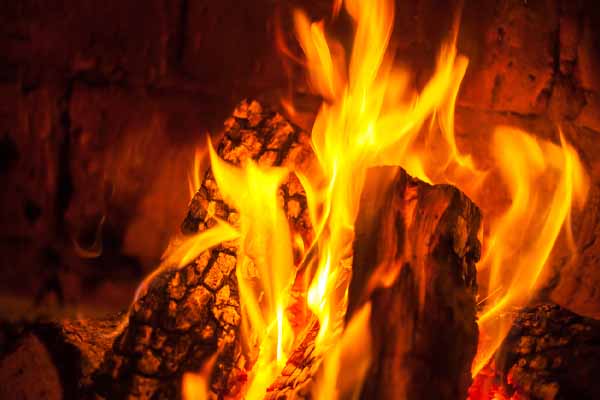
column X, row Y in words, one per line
column 414, row 259
column 187, row 315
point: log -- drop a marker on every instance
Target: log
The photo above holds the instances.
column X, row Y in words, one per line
column 188, row 315
column 409, row 235
column 549, row 353
column 415, row 251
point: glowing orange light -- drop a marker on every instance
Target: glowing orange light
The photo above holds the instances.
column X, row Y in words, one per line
column 371, row 117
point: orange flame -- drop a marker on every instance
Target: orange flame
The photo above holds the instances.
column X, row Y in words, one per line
column 352, row 352
column 522, row 238
column 194, row 180
column 371, row 117
column 265, row 267
column 195, row 386
column 365, row 122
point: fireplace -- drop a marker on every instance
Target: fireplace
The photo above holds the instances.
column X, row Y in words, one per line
column 307, row 199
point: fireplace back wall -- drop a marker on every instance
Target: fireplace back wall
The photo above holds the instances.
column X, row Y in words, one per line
column 102, row 105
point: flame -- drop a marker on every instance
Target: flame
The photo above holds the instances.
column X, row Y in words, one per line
column 371, row 116
column 353, row 353
column 265, row 268
column 195, row 386
column 523, row 237
column 365, row 122
column 194, row 180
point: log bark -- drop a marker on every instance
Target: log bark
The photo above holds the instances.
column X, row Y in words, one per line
column 410, row 236
column 188, row 315
column 549, row 353
column 414, row 259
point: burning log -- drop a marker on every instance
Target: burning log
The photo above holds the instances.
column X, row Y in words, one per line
column 549, row 353
column 414, row 259
column 187, row 315
column 413, row 241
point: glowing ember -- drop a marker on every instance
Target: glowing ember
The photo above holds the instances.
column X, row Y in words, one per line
column 370, row 117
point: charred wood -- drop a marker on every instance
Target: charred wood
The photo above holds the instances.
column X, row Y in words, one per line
column 549, row 353
column 188, row 315
column 414, row 259
column 409, row 236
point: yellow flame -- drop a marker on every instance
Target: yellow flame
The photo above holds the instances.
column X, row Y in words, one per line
column 265, row 269
column 195, row 386
column 194, row 180
column 370, row 116
column 522, row 238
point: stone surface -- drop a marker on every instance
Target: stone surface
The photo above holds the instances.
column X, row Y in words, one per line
column 29, row 373
column 113, row 40
column 513, row 65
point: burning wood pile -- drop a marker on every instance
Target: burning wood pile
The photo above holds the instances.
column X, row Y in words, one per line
column 352, row 261
column 189, row 316
column 183, row 333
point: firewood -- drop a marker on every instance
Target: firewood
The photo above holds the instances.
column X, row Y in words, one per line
column 411, row 233
column 549, row 353
column 414, row 259
column 187, row 315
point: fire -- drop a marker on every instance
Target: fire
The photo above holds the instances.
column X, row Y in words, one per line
column 370, row 116
column 195, row 386
column 265, row 267
column 522, row 238
column 194, row 180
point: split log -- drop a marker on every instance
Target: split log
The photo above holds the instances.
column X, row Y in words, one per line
column 549, row 353
column 414, row 259
column 189, row 314
column 410, row 236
